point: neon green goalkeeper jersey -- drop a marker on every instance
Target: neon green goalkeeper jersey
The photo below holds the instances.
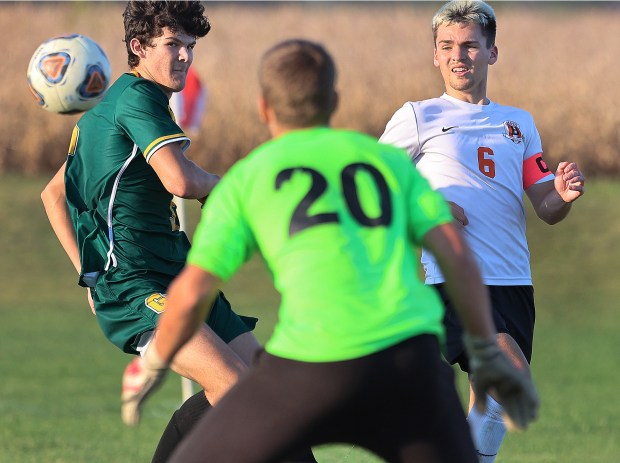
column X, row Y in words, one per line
column 336, row 217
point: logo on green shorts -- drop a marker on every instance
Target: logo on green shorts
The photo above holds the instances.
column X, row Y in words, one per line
column 156, row 302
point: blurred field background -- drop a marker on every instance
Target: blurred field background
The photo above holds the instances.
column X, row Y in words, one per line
column 556, row 60
column 60, row 379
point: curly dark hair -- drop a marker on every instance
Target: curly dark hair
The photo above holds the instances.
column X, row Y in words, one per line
column 145, row 20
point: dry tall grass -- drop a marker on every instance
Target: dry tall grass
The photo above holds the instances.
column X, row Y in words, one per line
column 557, row 60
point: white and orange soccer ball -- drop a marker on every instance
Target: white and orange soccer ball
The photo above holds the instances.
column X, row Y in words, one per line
column 69, row 74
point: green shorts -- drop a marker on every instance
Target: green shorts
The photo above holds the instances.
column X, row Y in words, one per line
column 128, row 304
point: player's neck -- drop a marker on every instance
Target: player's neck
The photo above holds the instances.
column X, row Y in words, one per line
column 278, row 130
column 468, row 97
column 145, row 74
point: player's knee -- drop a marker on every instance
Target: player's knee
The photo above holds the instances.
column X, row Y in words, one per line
column 246, row 347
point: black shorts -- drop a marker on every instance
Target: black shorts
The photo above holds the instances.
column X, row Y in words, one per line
column 400, row 403
column 513, row 313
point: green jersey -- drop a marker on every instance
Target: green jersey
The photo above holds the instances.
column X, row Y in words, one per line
column 335, row 215
column 122, row 213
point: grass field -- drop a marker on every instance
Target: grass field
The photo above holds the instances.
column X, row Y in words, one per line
column 60, row 380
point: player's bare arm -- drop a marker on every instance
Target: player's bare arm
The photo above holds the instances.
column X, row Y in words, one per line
column 181, row 176
column 552, row 200
column 55, row 203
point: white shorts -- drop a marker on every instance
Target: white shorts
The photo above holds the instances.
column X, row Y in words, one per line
column 143, row 343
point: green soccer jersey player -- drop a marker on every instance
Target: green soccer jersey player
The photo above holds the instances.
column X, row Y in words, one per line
column 118, row 222
column 112, row 210
column 127, row 230
column 355, row 355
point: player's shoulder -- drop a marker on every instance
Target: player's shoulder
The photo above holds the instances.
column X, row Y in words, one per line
column 420, row 110
column 121, row 84
column 130, row 85
column 355, row 143
column 513, row 111
column 352, row 136
column 116, row 98
column 422, row 105
column 133, row 96
column 317, row 146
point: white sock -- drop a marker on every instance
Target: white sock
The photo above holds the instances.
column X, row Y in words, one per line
column 488, row 430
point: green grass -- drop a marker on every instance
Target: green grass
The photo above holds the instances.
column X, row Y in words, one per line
column 60, row 379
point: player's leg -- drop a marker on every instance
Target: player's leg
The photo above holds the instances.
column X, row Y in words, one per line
column 181, row 423
column 226, row 341
column 488, row 428
column 217, row 354
column 513, row 314
column 413, row 412
column 207, row 360
column 204, row 355
column 210, row 362
column 128, row 307
column 222, row 350
column 263, row 418
column 183, row 420
column 204, row 365
column 246, row 346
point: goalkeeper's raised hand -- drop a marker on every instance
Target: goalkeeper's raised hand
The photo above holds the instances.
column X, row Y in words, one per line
column 492, row 371
column 146, row 380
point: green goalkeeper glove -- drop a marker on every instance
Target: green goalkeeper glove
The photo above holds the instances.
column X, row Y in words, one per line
column 145, row 381
column 493, row 371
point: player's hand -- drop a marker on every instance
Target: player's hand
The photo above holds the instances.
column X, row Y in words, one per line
column 493, row 371
column 142, row 380
column 569, row 181
column 460, row 219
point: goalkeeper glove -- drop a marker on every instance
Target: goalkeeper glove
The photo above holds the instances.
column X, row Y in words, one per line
column 493, row 371
column 146, row 380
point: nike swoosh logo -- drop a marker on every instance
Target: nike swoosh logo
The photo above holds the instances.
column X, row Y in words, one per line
column 445, row 129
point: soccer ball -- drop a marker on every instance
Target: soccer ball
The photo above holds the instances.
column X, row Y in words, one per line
column 68, row 74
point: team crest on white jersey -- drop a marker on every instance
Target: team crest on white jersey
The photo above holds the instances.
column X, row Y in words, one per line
column 513, row 132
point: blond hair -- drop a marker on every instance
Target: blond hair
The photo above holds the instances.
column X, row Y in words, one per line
column 467, row 11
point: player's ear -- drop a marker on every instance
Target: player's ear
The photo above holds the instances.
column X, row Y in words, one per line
column 435, row 60
column 262, row 107
column 335, row 101
column 136, row 48
column 494, row 54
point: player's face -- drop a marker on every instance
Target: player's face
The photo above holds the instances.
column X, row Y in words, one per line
column 166, row 62
column 462, row 56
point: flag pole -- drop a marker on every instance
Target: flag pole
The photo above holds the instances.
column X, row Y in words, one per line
column 187, row 385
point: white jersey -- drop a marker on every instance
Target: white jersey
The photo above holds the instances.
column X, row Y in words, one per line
column 481, row 157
